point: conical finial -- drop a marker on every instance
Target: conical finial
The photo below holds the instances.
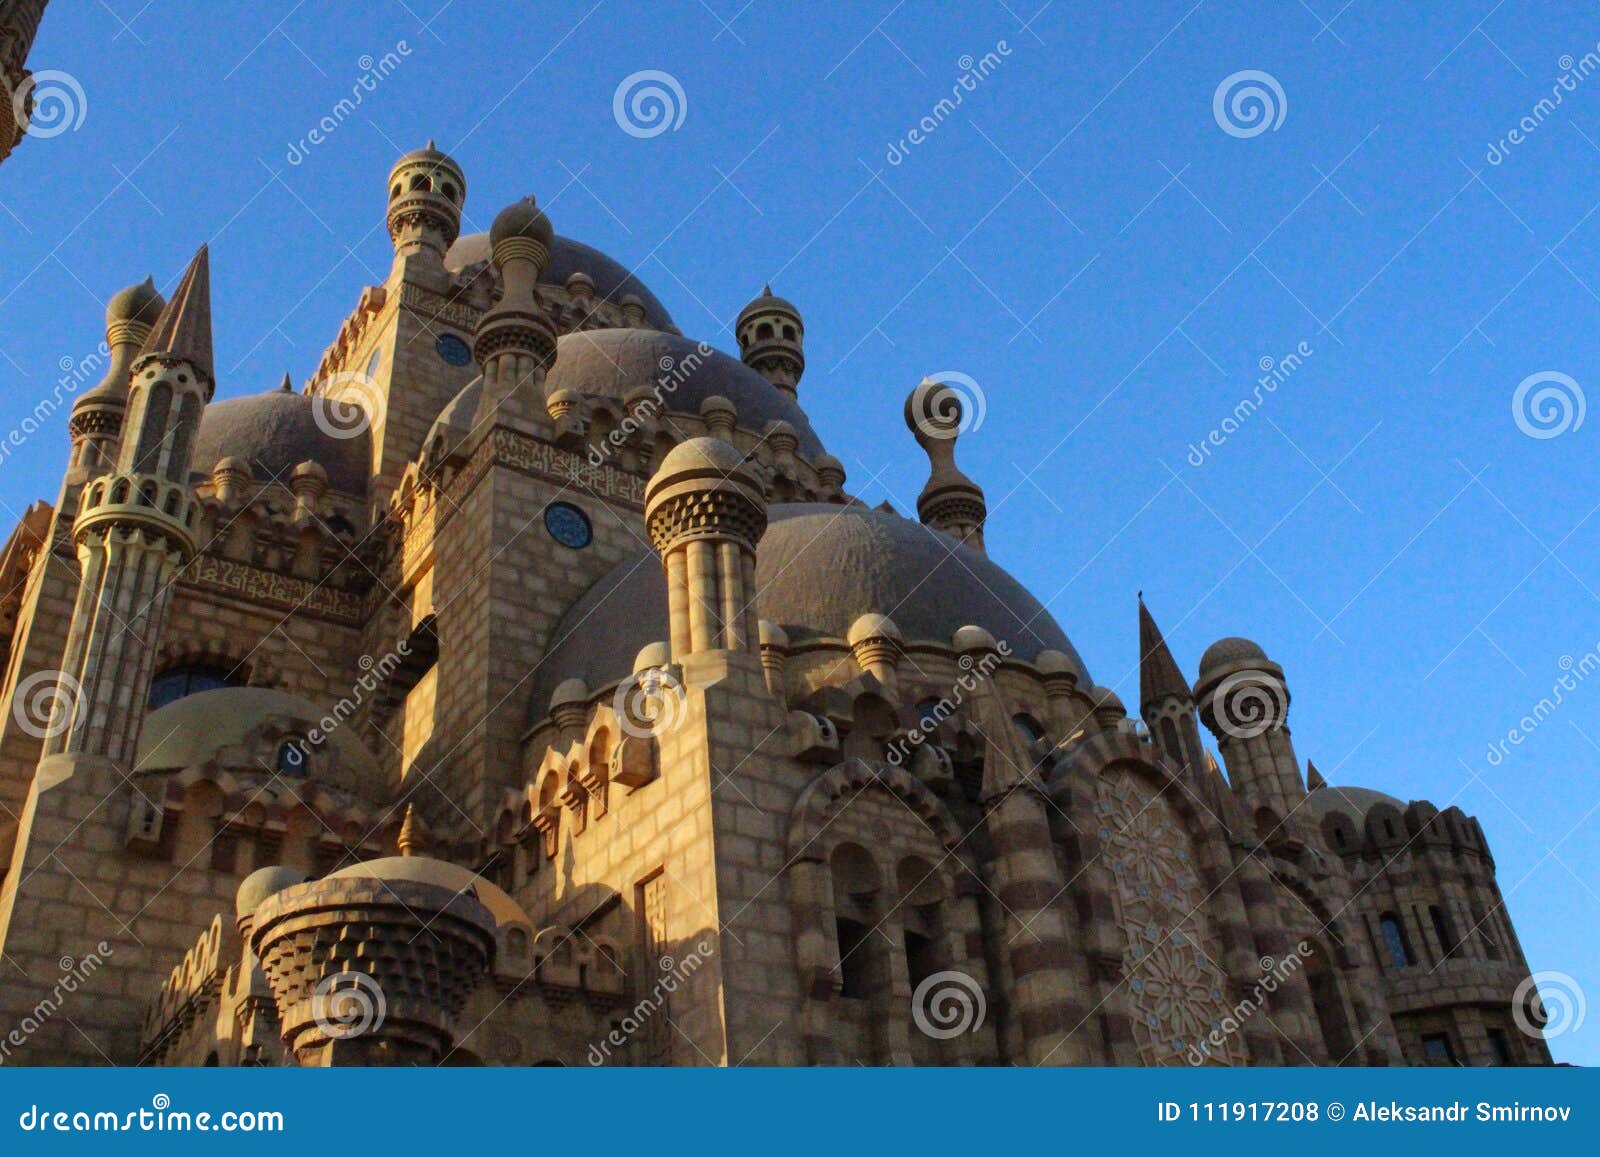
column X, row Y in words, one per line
column 183, row 331
column 431, row 144
column 286, row 386
column 766, row 290
column 1159, row 676
column 1314, row 778
column 412, row 839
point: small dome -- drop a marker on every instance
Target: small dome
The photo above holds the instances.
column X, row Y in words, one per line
column 652, row 656
column 872, row 626
column 141, row 303
column 427, row 870
column 262, row 883
column 1055, row 663
column 522, row 218
column 610, row 279
column 1105, row 699
column 1354, row 802
column 569, row 691
column 701, row 456
column 971, row 638
column 1226, row 652
column 768, row 302
column 771, row 635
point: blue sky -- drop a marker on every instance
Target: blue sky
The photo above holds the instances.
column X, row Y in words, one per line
column 1081, row 237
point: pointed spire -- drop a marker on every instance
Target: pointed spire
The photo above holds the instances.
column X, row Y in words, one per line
column 766, row 290
column 183, row 331
column 1314, row 778
column 286, row 385
column 412, row 839
column 1007, row 762
column 1159, row 676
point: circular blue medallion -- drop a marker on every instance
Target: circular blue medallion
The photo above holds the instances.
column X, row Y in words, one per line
column 568, row 525
column 452, row 349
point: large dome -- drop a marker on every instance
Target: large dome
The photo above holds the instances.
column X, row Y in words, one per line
column 274, row 432
column 612, row 281
column 608, row 363
column 818, row 568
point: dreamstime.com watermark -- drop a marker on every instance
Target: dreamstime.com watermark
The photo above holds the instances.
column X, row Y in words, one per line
column 674, row 372
column 648, row 103
column 357, row 409
column 1574, row 672
column 674, row 972
column 1548, row 404
column 160, row 1117
column 1274, row 974
column 74, row 974
column 1248, row 103
column 1249, row 703
column 49, row 103
column 74, row 373
column 947, row 1004
column 1573, row 73
column 346, row 1005
column 937, row 711
column 45, row 703
column 947, row 404
column 973, row 73
column 650, row 703
column 374, row 71
column 1549, row 1004
column 1274, row 372
column 375, row 673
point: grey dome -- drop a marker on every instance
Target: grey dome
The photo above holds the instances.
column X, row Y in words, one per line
column 263, row 883
column 612, row 281
column 1354, row 802
column 275, row 432
column 1225, row 652
column 608, row 363
column 818, row 569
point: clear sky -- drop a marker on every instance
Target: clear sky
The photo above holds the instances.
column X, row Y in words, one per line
column 1081, row 236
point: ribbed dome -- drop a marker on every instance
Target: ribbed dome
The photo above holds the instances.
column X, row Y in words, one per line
column 818, row 569
column 608, row 363
column 275, row 432
column 1228, row 651
column 612, row 281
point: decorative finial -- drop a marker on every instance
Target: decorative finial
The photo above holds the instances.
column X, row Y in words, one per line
column 430, row 143
column 411, row 838
column 287, row 386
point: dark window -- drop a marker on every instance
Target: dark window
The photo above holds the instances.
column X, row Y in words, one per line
column 180, row 681
column 452, row 349
column 1394, row 941
column 568, row 525
column 853, row 958
column 1436, row 1048
column 920, row 962
column 764, row 331
column 1443, row 930
column 1030, row 731
column 1499, row 1047
column 292, row 757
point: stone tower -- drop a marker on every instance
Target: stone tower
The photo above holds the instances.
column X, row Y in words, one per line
column 772, row 341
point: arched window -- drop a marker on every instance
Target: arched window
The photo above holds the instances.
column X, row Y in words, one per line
column 1394, row 941
column 1028, row 728
column 180, row 681
column 1443, row 929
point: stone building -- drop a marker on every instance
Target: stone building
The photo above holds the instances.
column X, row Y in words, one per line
column 19, row 24
column 529, row 688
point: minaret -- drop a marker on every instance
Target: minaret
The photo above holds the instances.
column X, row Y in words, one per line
column 19, row 24
column 1244, row 702
column 426, row 192
column 1050, row 1017
column 772, row 341
column 950, row 501
column 705, row 512
column 133, row 532
column 97, row 415
column 1165, row 702
column 516, row 342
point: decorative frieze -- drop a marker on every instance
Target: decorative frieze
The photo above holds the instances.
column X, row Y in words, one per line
column 208, row 572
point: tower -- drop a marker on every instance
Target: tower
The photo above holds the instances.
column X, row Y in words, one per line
column 97, row 415
column 1165, row 702
column 772, row 341
column 705, row 512
column 133, row 530
column 1244, row 702
column 950, row 501
column 19, row 24
column 426, row 192
column 515, row 342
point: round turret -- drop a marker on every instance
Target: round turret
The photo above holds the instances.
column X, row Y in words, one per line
column 772, row 340
column 426, row 192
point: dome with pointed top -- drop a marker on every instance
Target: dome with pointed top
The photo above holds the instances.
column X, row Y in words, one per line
column 522, row 218
column 275, row 432
column 768, row 302
column 140, row 303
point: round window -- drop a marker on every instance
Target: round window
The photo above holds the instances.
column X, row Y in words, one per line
column 568, row 525
column 452, row 349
